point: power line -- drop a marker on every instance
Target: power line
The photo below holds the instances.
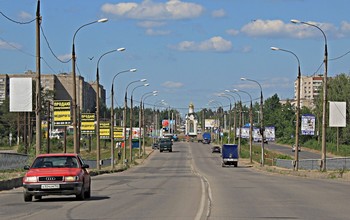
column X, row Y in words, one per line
column 17, row 22
column 48, row 45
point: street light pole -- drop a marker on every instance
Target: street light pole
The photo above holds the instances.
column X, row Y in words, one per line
column 125, row 115
column 297, row 125
column 229, row 117
column 251, row 125
column 261, row 120
column 142, row 120
column 98, row 150
column 234, row 116
column 240, row 119
column 74, row 98
column 112, row 112
column 131, row 117
column 324, row 104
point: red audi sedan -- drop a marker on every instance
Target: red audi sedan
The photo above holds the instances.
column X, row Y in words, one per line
column 57, row 174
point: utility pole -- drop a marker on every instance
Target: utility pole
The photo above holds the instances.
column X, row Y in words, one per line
column 37, row 82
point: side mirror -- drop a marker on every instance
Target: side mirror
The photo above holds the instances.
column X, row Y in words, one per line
column 85, row 166
column 26, row 167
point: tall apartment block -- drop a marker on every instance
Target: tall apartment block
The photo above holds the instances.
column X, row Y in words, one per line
column 310, row 90
column 62, row 86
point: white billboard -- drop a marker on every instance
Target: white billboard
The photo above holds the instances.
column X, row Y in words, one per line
column 21, row 95
column 337, row 114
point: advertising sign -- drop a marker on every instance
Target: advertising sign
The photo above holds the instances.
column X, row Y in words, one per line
column 211, row 123
column 21, row 95
column 61, row 113
column 118, row 133
column 105, row 129
column 337, row 114
column 88, row 123
column 308, row 122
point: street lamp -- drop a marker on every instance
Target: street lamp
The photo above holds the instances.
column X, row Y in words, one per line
column 124, row 115
column 234, row 116
column 324, row 104
column 156, row 123
column 142, row 119
column 74, row 99
column 251, row 125
column 296, row 157
column 219, row 104
column 131, row 117
column 261, row 120
column 98, row 150
column 229, row 116
column 112, row 113
column 240, row 119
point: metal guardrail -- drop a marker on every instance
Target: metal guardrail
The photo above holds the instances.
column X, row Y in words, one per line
column 12, row 161
column 336, row 163
column 9, row 161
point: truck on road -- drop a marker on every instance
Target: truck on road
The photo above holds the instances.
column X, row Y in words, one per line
column 165, row 144
column 229, row 155
column 206, row 138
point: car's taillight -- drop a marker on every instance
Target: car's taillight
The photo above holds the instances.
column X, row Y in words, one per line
column 30, row 179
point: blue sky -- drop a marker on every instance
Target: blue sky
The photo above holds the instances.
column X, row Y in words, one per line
column 188, row 50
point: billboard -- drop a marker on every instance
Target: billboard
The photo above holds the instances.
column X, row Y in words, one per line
column 87, row 123
column 61, row 113
column 21, row 95
column 211, row 123
column 337, row 114
column 105, row 129
column 118, row 133
column 308, row 123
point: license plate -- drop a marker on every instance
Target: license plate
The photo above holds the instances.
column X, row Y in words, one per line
column 50, row 186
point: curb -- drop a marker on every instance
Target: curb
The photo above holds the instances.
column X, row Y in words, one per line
column 11, row 184
column 17, row 182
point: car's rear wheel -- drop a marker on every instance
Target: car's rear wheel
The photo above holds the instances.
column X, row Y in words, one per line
column 27, row 197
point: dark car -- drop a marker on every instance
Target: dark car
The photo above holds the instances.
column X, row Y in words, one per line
column 155, row 145
column 57, row 174
column 216, row 149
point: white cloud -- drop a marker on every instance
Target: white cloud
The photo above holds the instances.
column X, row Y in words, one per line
column 147, row 9
column 232, row 32
column 216, row 44
column 65, row 57
column 153, row 32
column 150, row 24
column 9, row 45
column 218, row 13
column 277, row 28
column 25, row 15
column 170, row 84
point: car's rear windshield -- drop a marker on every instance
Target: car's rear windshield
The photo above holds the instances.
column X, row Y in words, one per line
column 56, row 161
column 165, row 140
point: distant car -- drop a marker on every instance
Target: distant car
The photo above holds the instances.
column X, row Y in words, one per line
column 57, row 174
column 293, row 148
column 216, row 149
column 206, row 141
column 155, row 145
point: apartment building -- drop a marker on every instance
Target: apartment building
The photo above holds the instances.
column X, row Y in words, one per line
column 62, row 86
column 310, row 90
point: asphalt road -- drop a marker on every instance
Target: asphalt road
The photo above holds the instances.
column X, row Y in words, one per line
column 190, row 183
column 287, row 150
